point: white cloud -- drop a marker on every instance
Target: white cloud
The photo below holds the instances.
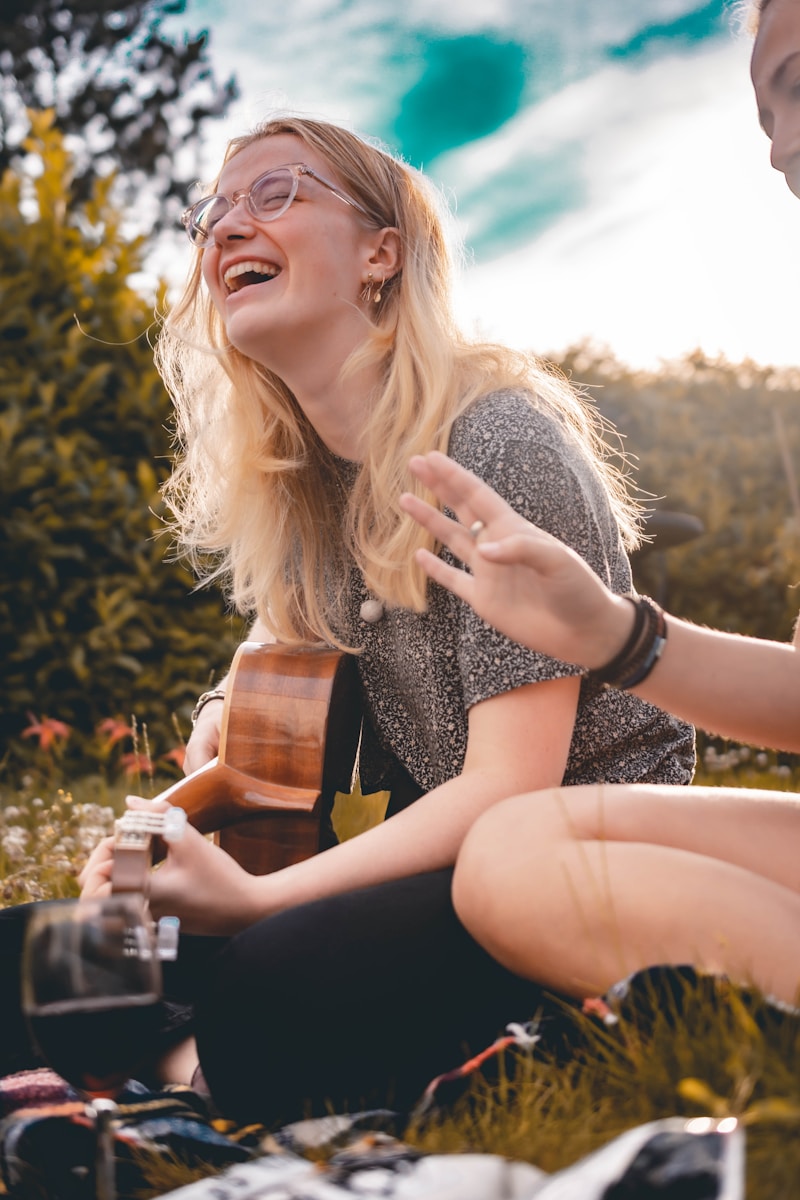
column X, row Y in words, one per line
column 687, row 237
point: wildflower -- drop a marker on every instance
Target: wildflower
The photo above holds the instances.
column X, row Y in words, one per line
column 14, row 843
column 176, row 755
column 135, row 764
column 48, row 730
column 114, row 730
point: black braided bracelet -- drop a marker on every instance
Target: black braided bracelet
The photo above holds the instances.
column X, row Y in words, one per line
column 641, row 651
column 611, row 670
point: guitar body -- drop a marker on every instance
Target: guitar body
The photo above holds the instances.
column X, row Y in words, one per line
column 292, row 721
column 290, row 728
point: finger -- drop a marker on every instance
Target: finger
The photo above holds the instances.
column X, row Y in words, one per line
column 141, row 804
column 459, row 582
column 535, row 548
column 102, row 850
column 97, row 877
column 443, row 528
column 457, row 487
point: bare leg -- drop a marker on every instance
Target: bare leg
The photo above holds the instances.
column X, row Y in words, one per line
column 577, row 887
column 179, row 1064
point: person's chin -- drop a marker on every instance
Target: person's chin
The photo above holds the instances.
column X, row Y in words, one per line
column 793, row 183
column 246, row 327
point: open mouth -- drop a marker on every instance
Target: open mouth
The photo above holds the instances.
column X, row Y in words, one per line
column 245, row 274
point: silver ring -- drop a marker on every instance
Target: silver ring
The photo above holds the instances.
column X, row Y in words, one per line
column 475, row 528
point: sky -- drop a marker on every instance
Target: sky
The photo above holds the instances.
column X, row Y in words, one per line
column 603, row 158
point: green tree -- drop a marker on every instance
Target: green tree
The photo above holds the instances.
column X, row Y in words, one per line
column 93, row 622
column 719, row 441
column 131, row 98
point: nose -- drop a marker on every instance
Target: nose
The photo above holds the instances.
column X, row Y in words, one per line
column 237, row 222
column 785, row 152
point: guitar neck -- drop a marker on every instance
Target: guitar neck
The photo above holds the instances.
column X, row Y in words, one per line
column 218, row 795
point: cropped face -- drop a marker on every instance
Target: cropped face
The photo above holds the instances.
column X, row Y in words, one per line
column 775, row 71
column 287, row 285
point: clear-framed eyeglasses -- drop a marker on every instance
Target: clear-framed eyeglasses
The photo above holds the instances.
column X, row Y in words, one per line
column 267, row 198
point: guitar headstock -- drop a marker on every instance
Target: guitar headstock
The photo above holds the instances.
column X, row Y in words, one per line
column 133, row 845
column 133, row 857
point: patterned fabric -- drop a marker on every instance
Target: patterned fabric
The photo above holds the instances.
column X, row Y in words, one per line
column 422, row 673
column 47, row 1138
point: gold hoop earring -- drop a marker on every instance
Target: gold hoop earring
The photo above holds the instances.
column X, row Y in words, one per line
column 376, row 299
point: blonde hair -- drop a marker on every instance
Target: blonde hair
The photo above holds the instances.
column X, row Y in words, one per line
column 748, row 13
column 254, row 493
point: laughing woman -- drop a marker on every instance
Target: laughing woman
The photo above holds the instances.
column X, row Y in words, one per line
column 313, row 353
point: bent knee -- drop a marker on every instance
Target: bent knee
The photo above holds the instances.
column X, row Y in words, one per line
column 507, row 843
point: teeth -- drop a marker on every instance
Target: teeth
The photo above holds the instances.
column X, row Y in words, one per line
column 250, row 267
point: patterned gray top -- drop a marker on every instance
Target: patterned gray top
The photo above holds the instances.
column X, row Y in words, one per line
column 422, row 672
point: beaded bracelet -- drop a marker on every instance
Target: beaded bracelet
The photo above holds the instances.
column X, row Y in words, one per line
column 641, row 651
column 202, row 701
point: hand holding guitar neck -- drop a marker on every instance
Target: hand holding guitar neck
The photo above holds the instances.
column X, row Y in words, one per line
column 134, row 835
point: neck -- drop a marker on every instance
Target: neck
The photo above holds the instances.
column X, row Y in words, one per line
column 338, row 409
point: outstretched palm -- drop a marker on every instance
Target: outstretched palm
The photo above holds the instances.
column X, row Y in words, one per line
column 522, row 580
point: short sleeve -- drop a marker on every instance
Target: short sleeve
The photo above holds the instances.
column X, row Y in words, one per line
column 539, row 467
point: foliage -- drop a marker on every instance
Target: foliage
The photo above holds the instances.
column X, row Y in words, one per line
column 93, row 622
column 129, row 97
column 719, row 441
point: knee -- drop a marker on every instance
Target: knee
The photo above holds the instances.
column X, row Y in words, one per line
column 504, row 855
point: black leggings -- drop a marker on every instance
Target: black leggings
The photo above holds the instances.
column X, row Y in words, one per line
column 356, row 1000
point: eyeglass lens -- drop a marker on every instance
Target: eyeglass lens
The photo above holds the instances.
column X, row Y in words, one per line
column 268, row 198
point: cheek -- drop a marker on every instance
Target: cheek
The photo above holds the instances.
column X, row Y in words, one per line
column 211, row 276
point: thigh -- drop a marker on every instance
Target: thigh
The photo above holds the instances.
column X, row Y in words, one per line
column 755, row 830
column 359, row 999
column 748, row 828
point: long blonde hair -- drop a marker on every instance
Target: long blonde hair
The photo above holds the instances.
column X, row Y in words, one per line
column 253, row 492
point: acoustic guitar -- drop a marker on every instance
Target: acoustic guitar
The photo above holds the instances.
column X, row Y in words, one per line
column 291, row 722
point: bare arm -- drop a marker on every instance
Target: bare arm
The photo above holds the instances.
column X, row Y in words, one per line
column 538, row 591
column 518, row 742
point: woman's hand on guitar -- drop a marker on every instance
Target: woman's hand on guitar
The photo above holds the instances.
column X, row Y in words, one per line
column 204, row 741
column 95, row 878
column 200, row 884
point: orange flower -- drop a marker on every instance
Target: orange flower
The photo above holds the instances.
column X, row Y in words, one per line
column 136, row 764
column 114, row 730
column 176, row 755
column 48, row 730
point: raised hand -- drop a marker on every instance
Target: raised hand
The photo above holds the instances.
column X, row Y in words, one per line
column 522, row 580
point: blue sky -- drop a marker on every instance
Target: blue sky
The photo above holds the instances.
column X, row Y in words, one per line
column 603, row 158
